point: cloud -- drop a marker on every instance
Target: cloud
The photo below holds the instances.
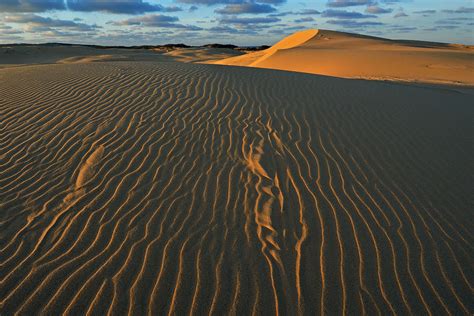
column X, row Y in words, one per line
column 425, row 12
column 460, row 10
column 121, row 7
column 347, row 3
column 8, row 30
column 11, row 32
column 230, row 30
column 192, row 8
column 459, row 19
column 52, row 32
column 156, row 20
column 62, row 34
column 148, row 20
column 10, row 38
column 403, row 29
column 374, row 9
column 249, row 7
column 223, row 29
column 284, row 13
column 172, row 9
column 31, row 5
column 36, row 20
column 246, row 21
column 447, row 27
column 343, row 14
column 307, row 12
column 213, row 2
column 406, row 29
column 301, row 12
column 112, row 6
column 286, row 31
column 400, row 15
column 354, row 24
column 302, row 20
column 272, row 1
column 448, row 21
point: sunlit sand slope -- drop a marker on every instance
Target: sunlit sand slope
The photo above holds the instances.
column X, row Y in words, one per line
column 357, row 56
column 183, row 188
column 201, row 54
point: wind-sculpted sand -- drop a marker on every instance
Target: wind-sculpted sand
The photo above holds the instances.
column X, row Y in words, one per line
column 201, row 54
column 27, row 55
column 349, row 55
column 173, row 188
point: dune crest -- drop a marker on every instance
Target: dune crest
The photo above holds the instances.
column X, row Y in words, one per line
column 295, row 40
column 349, row 55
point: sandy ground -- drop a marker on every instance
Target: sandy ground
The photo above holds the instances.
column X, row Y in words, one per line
column 15, row 56
column 163, row 187
column 355, row 56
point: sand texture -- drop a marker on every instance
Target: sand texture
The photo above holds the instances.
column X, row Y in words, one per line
column 356, row 56
column 201, row 54
column 176, row 188
column 27, row 55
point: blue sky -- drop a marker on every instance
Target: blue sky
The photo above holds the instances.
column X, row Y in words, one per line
column 241, row 22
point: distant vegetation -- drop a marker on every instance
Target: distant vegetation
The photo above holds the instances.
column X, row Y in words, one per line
column 165, row 46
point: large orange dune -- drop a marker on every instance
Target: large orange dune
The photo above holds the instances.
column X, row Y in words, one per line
column 357, row 56
column 166, row 188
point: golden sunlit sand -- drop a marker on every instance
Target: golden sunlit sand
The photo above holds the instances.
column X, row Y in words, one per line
column 356, row 56
column 146, row 185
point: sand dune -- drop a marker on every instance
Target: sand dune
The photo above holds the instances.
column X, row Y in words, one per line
column 201, row 54
column 356, row 56
column 27, row 55
column 173, row 188
column 35, row 54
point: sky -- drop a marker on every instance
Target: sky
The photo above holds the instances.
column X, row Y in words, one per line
column 239, row 22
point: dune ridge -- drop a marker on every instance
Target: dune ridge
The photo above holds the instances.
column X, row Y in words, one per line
column 350, row 55
column 295, row 40
column 28, row 55
column 228, row 190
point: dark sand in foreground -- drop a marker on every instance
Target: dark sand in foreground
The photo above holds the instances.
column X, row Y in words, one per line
column 171, row 188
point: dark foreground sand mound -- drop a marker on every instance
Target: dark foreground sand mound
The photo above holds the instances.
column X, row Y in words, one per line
column 180, row 188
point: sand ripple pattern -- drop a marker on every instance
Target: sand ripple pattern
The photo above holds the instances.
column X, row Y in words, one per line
column 167, row 188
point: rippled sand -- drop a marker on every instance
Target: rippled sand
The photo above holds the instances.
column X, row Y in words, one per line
column 171, row 188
